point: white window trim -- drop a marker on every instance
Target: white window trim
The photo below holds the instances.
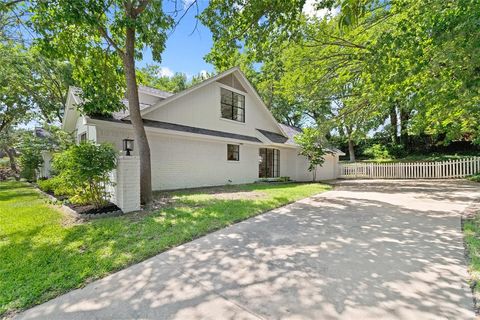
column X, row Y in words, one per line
column 219, row 92
column 239, row 158
column 230, row 120
column 79, row 139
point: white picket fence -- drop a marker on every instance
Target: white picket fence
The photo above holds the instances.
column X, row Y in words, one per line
column 411, row 170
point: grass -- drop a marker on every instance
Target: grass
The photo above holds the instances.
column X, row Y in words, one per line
column 471, row 232
column 44, row 255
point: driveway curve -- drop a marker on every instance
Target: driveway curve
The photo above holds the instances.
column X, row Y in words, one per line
column 367, row 249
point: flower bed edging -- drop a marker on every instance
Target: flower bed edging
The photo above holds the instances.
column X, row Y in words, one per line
column 74, row 213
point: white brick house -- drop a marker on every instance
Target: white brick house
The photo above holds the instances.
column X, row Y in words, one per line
column 217, row 132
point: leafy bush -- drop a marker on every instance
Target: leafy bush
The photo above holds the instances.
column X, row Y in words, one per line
column 284, row 179
column 85, row 169
column 4, row 162
column 46, row 185
column 56, row 186
column 31, row 147
column 30, row 160
column 377, row 151
column 475, row 178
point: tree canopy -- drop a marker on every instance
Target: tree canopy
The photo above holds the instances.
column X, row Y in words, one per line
column 359, row 66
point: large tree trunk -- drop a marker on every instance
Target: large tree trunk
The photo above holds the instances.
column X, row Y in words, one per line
column 404, row 118
column 136, row 118
column 351, row 146
column 11, row 156
column 351, row 150
column 394, row 124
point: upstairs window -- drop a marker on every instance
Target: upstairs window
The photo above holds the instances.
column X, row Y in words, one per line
column 233, row 105
column 233, row 152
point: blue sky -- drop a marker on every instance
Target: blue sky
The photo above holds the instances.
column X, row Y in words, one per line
column 186, row 46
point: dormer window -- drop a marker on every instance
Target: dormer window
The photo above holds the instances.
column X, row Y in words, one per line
column 232, row 105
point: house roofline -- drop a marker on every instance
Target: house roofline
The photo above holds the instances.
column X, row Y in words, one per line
column 237, row 138
column 208, row 81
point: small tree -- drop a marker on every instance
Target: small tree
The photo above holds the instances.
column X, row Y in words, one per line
column 85, row 168
column 310, row 147
column 30, row 148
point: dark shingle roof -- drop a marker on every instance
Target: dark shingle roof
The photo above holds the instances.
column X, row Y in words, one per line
column 42, row 133
column 291, row 132
column 273, row 137
column 183, row 128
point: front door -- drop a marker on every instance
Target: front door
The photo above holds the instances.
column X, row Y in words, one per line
column 269, row 166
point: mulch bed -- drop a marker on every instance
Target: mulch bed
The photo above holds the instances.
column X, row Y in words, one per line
column 89, row 209
column 85, row 211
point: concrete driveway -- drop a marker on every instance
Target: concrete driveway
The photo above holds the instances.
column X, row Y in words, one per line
column 368, row 249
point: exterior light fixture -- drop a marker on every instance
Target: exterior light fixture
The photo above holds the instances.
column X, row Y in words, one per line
column 127, row 146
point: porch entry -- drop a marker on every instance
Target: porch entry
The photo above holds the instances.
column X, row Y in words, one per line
column 269, row 163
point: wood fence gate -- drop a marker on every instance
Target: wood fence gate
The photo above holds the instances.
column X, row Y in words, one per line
column 411, row 170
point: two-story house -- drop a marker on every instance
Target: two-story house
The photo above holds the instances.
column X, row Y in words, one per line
column 217, row 132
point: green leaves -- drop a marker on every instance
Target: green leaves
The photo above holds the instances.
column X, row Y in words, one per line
column 85, row 169
column 310, row 142
column 421, row 58
column 91, row 35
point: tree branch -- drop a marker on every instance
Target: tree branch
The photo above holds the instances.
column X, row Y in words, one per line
column 104, row 33
column 141, row 7
column 12, row 3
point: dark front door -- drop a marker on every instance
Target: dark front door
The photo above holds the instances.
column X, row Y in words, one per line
column 269, row 166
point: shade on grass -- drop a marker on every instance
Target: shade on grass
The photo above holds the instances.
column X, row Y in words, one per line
column 42, row 257
column 471, row 231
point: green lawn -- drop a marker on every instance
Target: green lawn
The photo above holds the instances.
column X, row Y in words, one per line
column 44, row 255
column 471, row 232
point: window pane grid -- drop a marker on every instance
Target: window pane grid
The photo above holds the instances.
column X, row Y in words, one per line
column 233, row 152
column 269, row 166
column 232, row 105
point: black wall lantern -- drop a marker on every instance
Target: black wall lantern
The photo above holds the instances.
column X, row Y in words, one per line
column 127, row 145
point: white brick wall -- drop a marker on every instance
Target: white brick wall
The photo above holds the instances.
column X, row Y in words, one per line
column 125, row 192
column 328, row 171
column 185, row 163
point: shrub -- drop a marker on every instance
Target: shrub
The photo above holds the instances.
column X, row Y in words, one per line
column 475, row 178
column 377, row 151
column 4, row 163
column 46, row 185
column 85, row 169
column 56, row 186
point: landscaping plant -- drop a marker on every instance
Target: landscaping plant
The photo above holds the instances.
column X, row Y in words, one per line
column 85, row 168
column 311, row 148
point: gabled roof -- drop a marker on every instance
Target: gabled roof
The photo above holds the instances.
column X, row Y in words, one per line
column 41, row 133
column 71, row 113
column 235, row 70
column 288, row 139
column 291, row 132
column 155, row 92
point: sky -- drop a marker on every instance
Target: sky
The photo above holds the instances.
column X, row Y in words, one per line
column 186, row 46
column 190, row 42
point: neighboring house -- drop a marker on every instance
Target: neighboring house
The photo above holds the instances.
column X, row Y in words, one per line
column 214, row 133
